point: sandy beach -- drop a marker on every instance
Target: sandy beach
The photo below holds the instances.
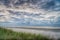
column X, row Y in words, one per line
column 51, row 32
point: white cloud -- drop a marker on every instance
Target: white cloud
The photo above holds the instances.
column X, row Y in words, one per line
column 25, row 8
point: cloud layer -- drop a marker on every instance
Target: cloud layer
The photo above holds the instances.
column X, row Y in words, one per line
column 30, row 12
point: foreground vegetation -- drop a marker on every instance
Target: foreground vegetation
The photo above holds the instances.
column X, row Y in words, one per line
column 11, row 35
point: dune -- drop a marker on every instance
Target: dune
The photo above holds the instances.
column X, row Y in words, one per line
column 52, row 32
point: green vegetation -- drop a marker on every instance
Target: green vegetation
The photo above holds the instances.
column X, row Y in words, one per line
column 11, row 35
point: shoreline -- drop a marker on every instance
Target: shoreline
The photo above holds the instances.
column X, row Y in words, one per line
column 49, row 33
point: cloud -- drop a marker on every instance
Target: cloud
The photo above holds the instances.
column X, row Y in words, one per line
column 38, row 12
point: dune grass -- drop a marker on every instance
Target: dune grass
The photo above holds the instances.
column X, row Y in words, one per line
column 11, row 35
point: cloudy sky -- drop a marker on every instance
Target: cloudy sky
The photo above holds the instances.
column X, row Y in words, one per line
column 29, row 12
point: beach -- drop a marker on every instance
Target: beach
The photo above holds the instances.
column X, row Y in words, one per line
column 51, row 32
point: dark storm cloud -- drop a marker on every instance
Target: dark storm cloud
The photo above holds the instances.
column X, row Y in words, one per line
column 47, row 5
column 52, row 5
column 5, row 2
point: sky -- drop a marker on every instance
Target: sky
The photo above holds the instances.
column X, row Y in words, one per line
column 30, row 13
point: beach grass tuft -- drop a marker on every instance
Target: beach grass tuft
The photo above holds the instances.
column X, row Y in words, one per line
column 6, row 34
